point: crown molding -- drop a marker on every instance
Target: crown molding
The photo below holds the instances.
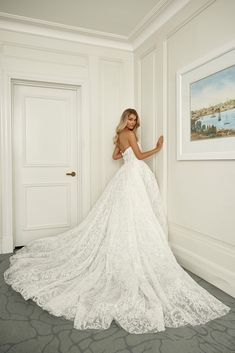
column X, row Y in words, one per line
column 149, row 18
column 38, row 27
column 160, row 14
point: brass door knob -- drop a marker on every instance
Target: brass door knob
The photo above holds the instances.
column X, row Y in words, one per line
column 72, row 174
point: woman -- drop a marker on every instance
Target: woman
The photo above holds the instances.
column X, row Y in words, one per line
column 116, row 264
column 125, row 136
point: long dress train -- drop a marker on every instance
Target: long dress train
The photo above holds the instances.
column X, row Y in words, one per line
column 115, row 265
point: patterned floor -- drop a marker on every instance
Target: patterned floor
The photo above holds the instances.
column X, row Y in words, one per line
column 26, row 328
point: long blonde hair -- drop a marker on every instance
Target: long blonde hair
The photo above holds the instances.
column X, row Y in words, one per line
column 123, row 123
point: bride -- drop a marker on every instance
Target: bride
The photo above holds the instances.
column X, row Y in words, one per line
column 116, row 264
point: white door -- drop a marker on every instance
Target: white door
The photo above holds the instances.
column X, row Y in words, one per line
column 45, row 148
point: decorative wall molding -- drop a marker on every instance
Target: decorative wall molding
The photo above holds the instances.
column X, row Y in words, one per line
column 111, row 75
column 31, row 51
column 188, row 19
column 150, row 53
column 165, row 122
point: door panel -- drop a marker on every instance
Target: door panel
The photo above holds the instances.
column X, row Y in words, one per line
column 45, row 148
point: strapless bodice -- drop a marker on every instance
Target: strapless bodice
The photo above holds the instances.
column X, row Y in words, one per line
column 129, row 155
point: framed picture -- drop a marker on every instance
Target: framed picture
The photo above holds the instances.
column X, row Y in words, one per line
column 206, row 107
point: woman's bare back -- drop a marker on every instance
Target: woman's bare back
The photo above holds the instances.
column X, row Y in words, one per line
column 123, row 140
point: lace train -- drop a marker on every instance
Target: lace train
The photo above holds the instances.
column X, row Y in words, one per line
column 115, row 265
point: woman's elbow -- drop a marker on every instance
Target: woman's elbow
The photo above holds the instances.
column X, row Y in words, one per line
column 139, row 156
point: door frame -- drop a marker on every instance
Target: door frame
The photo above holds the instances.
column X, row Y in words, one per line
column 6, row 154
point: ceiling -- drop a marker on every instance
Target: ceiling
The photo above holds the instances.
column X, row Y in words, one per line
column 113, row 16
column 115, row 19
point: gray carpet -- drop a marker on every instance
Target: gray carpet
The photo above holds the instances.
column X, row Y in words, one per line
column 26, row 328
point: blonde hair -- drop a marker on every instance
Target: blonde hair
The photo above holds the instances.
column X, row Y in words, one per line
column 123, row 123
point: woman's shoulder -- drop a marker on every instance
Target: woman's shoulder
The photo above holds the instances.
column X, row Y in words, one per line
column 123, row 132
column 126, row 133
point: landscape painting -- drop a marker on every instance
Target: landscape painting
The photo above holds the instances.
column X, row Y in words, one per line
column 212, row 105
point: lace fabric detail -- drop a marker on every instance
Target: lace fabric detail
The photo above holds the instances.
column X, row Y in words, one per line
column 115, row 265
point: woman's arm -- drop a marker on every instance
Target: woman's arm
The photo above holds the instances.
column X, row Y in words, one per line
column 142, row 155
column 117, row 153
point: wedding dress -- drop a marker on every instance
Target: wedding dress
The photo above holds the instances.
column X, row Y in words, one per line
column 115, row 265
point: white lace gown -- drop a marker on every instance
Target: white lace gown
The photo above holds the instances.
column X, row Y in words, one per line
column 115, row 265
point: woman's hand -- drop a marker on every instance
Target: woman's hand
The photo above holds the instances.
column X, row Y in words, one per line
column 159, row 143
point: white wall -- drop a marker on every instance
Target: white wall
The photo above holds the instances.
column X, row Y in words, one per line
column 201, row 222
column 200, row 195
column 106, row 75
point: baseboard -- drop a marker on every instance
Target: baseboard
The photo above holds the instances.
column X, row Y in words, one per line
column 6, row 245
column 197, row 253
